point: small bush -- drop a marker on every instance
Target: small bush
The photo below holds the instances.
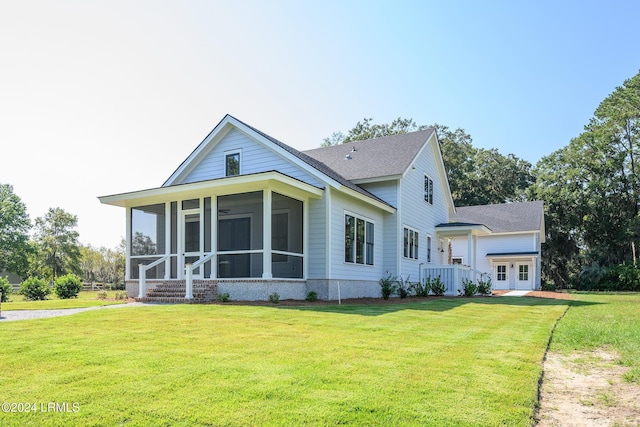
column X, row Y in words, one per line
column 436, row 285
column 421, row 289
column 484, row 287
column 387, row 286
column 102, row 295
column 67, row 286
column 402, row 287
column 35, row 289
column 223, row 297
column 469, row 288
column 5, row 288
column 312, row 296
column 548, row 286
column 274, row 297
column 120, row 295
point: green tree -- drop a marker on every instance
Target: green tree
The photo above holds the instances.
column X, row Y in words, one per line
column 591, row 189
column 476, row 176
column 14, row 232
column 57, row 241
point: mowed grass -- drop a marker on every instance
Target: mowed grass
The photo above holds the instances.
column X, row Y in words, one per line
column 610, row 321
column 84, row 299
column 439, row 362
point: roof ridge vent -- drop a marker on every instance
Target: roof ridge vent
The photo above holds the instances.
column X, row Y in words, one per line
column 348, row 157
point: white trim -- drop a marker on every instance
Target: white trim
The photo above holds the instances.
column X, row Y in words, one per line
column 227, row 153
column 416, row 231
column 344, row 232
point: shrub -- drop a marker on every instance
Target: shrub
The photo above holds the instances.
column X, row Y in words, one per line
column 402, row 287
column 223, row 297
column 484, row 287
column 5, row 288
column 436, row 285
column 548, row 286
column 102, row 295
column 274, row 297
column 469, row 288
column 35, row 289
column 67, row 286
column 421, row 289
column 312, row 296
column 387, row 286
column 120, row 295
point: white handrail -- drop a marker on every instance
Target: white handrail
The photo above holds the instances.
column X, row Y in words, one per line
column 142, row 269
column 188, row 268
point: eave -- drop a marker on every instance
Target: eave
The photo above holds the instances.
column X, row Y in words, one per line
column 216, row 187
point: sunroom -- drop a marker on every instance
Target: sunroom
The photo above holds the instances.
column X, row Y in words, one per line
column 252, row 227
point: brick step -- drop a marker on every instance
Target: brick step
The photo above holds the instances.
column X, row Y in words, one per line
column 166, row 300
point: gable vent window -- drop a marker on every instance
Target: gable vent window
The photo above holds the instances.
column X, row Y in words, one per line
column 428, row 190
column 232, row 164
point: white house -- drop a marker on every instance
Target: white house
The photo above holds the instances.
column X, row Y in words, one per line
column 247, row 215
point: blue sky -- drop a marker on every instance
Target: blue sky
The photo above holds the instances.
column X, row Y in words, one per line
column 103, row 97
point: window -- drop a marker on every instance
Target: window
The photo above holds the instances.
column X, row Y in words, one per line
column 428, row 248
column 232, row 164
column 523, row 272
column 501, row 273
column 410, row 243
column 358, row 240
column 428, row 190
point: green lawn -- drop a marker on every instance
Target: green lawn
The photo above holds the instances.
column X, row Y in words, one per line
column 438, row 362
column 84, row 299
column 611, row 321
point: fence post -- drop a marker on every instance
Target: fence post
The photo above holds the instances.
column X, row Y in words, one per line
column 189, row 281
column 142, row 292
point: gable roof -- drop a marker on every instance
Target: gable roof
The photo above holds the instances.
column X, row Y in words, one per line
column 504, row 217
column 373, row 158
column 229, row 121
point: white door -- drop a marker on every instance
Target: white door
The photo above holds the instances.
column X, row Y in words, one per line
column 501, row 277
column 523, row 276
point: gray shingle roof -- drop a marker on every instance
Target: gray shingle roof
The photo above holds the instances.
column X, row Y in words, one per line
column 320, row 166
column 504, row 218
column 373, row 158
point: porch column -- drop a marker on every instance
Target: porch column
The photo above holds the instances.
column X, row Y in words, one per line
column 470, row 255
column 266, row 234
column 127, row 245
column 214, row 236
column 167, row 239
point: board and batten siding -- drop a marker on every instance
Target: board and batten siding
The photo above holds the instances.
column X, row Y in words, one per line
column 254, row 158
column 416, row 213
column 340, row 269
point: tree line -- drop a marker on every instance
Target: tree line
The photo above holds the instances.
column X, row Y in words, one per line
column 590, row 188
column 49, row 248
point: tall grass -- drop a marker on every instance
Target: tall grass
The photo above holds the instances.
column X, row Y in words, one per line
column 441, row 362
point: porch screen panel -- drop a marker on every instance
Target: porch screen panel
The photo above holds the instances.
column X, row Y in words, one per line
column 286, row 237
column 240, row 237
column 147, row 239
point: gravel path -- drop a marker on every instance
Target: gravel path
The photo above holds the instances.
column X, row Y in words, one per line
column 8, row 316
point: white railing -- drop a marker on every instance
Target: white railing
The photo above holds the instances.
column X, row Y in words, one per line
column 188, row 273
column 453, row 276
column 142, row 269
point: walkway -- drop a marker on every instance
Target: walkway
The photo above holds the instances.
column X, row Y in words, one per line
column 515, row 294
column 11, row 315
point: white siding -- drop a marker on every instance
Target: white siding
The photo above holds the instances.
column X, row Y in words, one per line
column 348, row 271
column 388, row 191
column 420, row 215
column 525, row 242
column 316, row 257
column 255, row 158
